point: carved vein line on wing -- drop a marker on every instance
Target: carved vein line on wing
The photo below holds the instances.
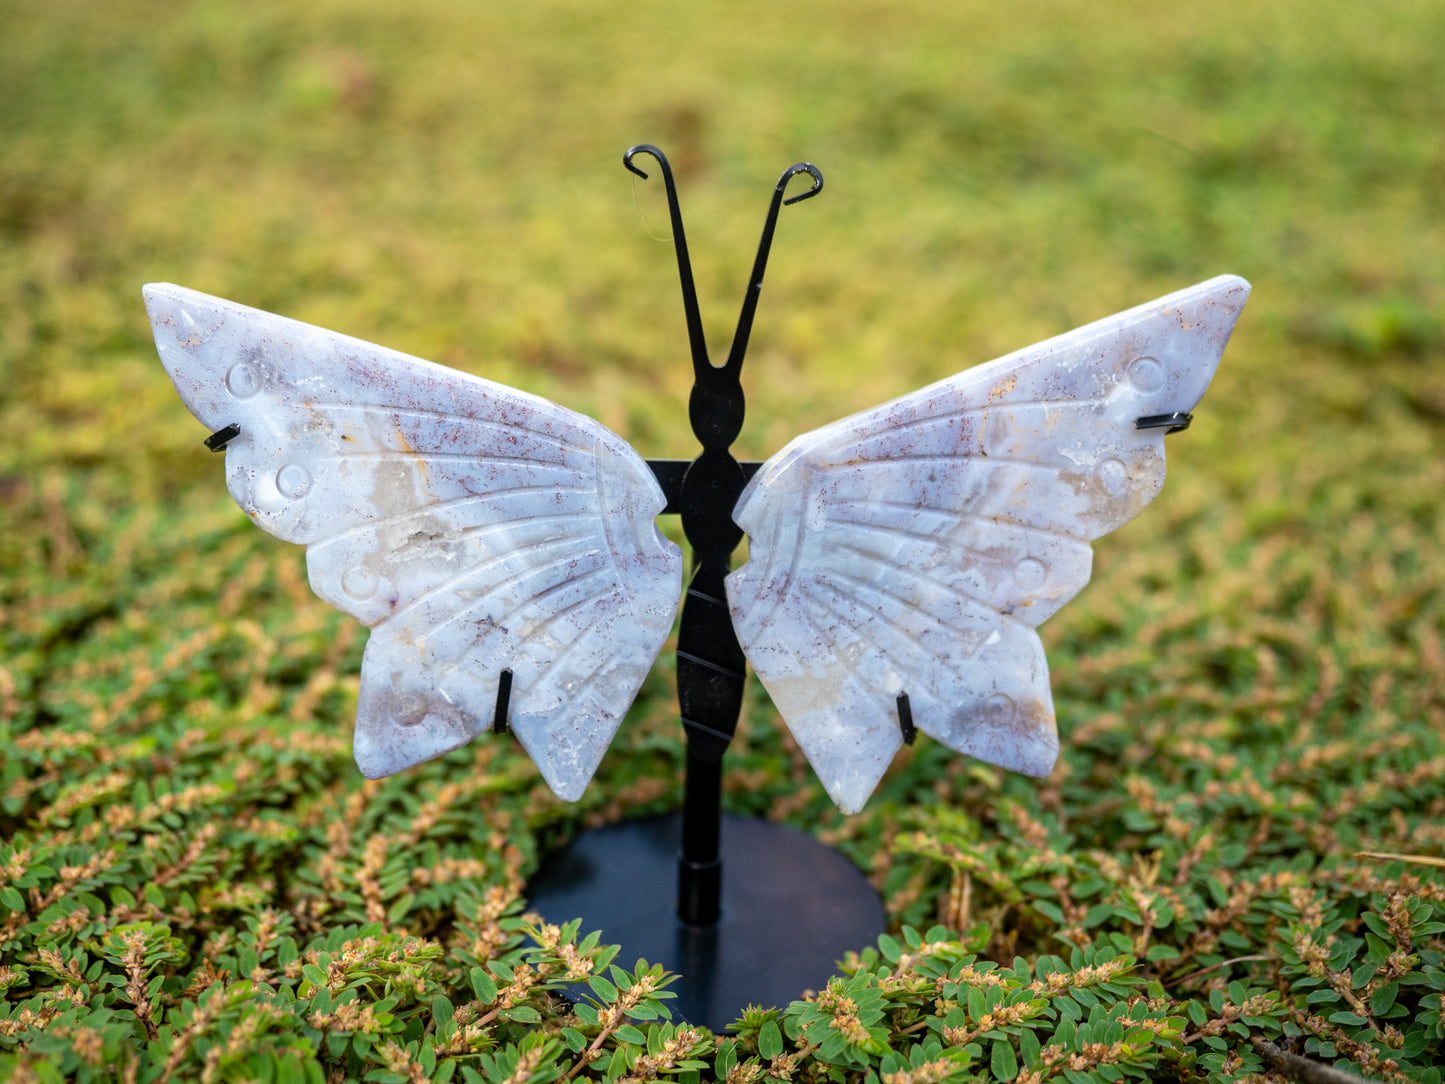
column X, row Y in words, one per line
column 966, row 459
column 997, row 521
column 891, row 565
column 861, row 693
column 942, row 542
column 454, row 503
column 565, row 645
column 796, row 557
column 772, row 553
column 535, row 602
column 896, row 659
column 535, row 548
column 577, row 690
column 480, row 531
column 765, row 554
column 467, row 420
column 462, row 615
column 958, row 639
column 1003, row 403
column 608, row 540
column 470, row 457
column 825, row 589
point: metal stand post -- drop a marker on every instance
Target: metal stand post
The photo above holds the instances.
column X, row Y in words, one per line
column 788, row 907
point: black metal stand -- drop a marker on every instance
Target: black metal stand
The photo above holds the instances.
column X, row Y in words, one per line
column 789, row 906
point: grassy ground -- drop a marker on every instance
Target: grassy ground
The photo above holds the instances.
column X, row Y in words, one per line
column 194, row 881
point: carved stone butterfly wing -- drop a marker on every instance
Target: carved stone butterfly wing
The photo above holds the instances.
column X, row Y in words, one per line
column 475, row 529
column 913, row 548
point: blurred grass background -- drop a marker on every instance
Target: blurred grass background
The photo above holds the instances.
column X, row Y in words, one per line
column 445, row 179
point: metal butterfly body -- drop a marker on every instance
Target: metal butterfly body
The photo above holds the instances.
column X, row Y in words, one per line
column 486, row 535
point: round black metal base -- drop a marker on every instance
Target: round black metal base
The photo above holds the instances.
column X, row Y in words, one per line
column 791, row 907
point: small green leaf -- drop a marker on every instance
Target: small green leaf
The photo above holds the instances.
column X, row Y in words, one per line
column 398, row 910
column 1376, row 924
column 727, row 1057
column 977, row 1003
column 1086, row 998
column 1098, row 913
column 1051, row 911
column 1003, row 1063
column 1383, row 998
column 483, row 986
column 1065, row 1034
column 1029, row 1045
column 618, row 1065
column 1379, row 950
column 629, row 1034
column 1139, row 1038
column 770, row 1040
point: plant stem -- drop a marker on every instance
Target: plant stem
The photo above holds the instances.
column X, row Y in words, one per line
column 1215, row 967
column 1301, row 1069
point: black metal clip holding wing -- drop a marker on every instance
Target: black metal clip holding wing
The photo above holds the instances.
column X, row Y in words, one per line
column 710, row 662
column 218, row 440
column 1175, row 422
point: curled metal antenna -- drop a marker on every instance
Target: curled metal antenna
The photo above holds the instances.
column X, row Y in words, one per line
column 793, row 171
column 716, row 405
column 642, row 148
column 760, row 264
column 696, row 341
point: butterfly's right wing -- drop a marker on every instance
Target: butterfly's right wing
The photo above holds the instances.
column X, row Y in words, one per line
column 913, row 548
column 475, row 529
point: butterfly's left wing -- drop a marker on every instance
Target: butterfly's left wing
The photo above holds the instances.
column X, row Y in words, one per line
column 913, row 548
column 475, row 528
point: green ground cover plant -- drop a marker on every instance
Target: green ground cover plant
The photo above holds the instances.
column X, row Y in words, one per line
column 1238, row 861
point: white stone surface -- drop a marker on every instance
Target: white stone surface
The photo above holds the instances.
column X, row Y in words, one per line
column 913, row 548
column 473, row 527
